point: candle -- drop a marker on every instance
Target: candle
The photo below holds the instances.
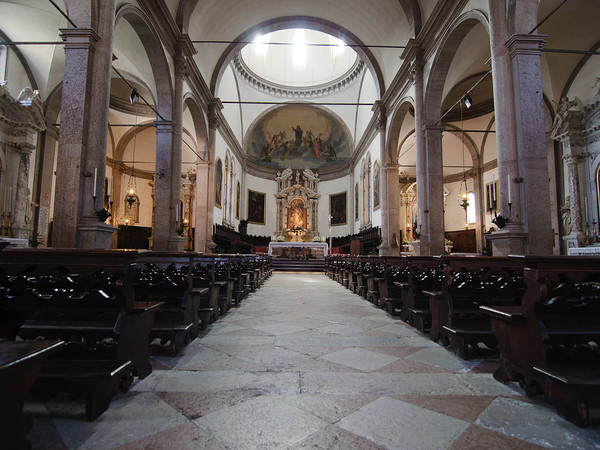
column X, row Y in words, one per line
column 586, row 210
column 493, row 188
column 508, row 179
column 108, row 188
column 177, row 212
column 4, row 204
column 95, row 179
column 9, row 207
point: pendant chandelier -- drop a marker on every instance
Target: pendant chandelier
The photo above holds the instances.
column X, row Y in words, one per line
column 131, row 185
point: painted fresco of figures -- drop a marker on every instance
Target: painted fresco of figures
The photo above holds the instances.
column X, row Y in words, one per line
column 320, row 138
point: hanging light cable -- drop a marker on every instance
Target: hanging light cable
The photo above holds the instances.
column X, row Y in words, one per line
column 131, row 186
column 463, row 193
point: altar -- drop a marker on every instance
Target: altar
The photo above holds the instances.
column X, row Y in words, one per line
column 313, row 249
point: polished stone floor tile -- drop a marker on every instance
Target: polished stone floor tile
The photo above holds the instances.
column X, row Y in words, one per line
column 360, row 359
column 334, row 438
column 395, row 424
column 536, row 424
column 304, row 363
column 264, row 422
column 273, row 358
column 444, row 359
column 127, row 420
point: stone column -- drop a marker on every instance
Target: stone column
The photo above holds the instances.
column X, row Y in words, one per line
column 92, row 232
column 393, row 208
column 46, row 176
column 351, row 202
column 532, row 183
column 570, row 135
column 163, row 224
column 73, row 181
column 511, row 239
column 422, row 245
column 202, row 204
column 433, row 214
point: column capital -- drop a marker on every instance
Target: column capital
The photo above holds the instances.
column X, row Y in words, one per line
column 526, row 44
column 185, row 45
column 79, row 38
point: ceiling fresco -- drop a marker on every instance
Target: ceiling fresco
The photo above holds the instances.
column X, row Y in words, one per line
column 298, row 136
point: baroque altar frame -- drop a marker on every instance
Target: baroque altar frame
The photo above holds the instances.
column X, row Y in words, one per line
column 295, row 188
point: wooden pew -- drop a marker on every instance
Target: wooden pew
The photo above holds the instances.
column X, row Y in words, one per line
column 82, row 296
column 425, row 277
column 550, row 342
column 470, row 282
column 165, row 276
column 393, row 281
column 20, row 364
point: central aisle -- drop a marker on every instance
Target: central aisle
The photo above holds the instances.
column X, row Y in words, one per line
column 303, row 362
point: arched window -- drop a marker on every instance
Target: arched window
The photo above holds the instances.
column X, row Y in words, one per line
column 471, row 211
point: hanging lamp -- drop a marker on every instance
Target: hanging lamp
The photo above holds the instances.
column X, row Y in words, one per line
column 131, row 185
column 463, row 191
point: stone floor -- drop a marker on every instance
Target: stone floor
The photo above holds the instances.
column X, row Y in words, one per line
column 304, row 363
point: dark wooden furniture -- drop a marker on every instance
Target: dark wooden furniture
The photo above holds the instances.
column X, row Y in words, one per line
column 550, row 342
column 470, row 282
column 77, row 295
column 426, row 274
column 165, row 276
column 20, row 363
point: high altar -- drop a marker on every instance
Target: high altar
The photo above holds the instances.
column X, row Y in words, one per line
column 297, row 205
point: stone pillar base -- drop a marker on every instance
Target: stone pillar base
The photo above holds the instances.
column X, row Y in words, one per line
column 421, row 248
column 574, row 239
column 94, row 234
column 508, row 242
column 176, row 243
column 21, row 232
column 389, row 251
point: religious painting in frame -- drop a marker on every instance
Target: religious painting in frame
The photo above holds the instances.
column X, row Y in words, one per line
column 256, row 207
column 238, row 195
column 297, row 214
column 218, row 182
column 356, row 199
column 376, row 185
column 337, row 208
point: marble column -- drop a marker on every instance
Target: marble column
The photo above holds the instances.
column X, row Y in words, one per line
column 46, row 176
column 422, row 245
column 163, row 223
column 202, row 204
column 71, row 175
column 92, row 232
column 532, row 183
column 433, row 214
column 572, row 142
column 390, row 171
column 512, row 238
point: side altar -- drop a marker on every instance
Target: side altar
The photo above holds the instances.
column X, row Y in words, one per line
column 289, row 249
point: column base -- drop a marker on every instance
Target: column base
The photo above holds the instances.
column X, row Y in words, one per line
column 421, row 248
column 176, row 243
column 21, row 232
column 574, row 239
column 389, row 251
column 508, row 242
column 94, row 234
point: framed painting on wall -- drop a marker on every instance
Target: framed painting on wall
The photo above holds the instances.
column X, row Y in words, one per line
column 256, row 207
column 337, row 208
column 218, row 182
column 376, row 185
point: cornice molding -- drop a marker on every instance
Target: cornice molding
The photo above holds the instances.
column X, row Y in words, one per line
column 260, row 84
